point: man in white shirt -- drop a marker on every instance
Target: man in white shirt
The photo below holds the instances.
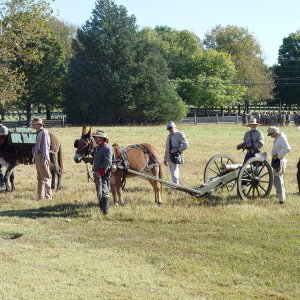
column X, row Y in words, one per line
column 176, row 143
column 280, row 148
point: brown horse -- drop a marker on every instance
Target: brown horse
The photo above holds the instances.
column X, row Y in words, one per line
column 139, row 157
column 12, row 155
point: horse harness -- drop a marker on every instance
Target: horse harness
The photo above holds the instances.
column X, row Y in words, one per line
column 122, row 160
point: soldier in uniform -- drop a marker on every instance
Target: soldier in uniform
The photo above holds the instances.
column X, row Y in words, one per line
column 253, row 140
column 102, row 164
column 176, row 143
column 280, row 148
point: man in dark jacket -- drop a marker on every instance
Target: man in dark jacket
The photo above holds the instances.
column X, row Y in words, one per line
column 101, row 167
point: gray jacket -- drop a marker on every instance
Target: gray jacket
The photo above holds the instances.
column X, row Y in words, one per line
column 254, row 140
column 178, row 140
column 103, row 157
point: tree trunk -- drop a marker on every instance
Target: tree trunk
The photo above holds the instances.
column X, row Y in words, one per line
column 28, row 112
column 48, row 113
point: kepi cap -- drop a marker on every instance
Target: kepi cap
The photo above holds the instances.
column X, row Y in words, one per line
column 273, row 129
column 170, row 125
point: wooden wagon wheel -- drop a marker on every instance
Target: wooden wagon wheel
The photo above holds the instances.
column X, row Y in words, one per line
column 255, row 179
column 213, row 169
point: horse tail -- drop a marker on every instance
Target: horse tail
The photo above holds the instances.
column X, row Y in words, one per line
column 60, row 159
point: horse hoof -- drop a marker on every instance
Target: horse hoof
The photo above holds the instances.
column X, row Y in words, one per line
column 121, row 203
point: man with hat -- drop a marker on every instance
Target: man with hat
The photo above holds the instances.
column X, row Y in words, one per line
column 41, row 154
column 280, row 148
column 3, row 134
column 103, row 155
column 253, row 140
column 175, row 145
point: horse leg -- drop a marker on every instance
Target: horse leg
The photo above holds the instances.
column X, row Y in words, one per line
column 157, row 186
column 118, row 186
column 113, row 190
column 9, row 176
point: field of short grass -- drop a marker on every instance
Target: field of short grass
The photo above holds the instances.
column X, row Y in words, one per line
column 217, row 247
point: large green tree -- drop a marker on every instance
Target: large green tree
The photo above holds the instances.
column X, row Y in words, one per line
column 24, row 30
column 215, row 85
column 111, row 78
column 287, row 72
column 246, row 54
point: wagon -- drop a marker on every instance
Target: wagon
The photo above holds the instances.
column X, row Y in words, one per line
column 253, row 179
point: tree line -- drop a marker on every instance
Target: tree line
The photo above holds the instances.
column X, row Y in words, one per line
column 111, row 72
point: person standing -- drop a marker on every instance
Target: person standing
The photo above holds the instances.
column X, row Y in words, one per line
column 280, row 148
column 41, row 154
column 103, row 155
column 175, row 145
column 3, row 134
column 253, row 140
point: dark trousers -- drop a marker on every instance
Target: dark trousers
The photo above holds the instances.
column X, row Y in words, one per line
column 298, row 174
column 102, row 188
column 2, row 173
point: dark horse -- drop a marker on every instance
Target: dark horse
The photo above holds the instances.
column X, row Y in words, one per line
column 13, row 155
column 139, row 157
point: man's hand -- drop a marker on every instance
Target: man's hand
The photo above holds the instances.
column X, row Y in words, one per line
column 240, row 146
column 166, row 163
column 46, row 163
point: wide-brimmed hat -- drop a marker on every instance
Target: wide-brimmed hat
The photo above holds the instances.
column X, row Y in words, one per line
column 100, row 133
column 37, row 121
column 273, row 129
column 3, row 130
column 252, row 121
column 170, row 125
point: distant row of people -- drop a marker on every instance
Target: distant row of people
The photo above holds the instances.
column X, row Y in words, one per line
column 273, row 118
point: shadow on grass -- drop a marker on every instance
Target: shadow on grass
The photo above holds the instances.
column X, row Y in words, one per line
column 51, row 211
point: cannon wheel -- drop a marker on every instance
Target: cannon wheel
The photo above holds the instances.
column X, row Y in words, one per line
column 213, row 169
column 255, row 179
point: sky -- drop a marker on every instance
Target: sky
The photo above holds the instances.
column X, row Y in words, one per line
column 270, row 21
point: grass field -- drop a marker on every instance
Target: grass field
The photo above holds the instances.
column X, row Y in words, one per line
column 217, row 247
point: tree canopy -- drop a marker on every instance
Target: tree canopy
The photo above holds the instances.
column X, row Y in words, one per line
column 113, row 77
column 287, row 72
column 246, row 54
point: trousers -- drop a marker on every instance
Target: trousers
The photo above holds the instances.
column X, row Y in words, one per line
column 279, row 181
column 102, row 184
column 43, row 177
column 174, row 170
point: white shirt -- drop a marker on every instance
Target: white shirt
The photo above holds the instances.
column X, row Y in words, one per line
column 281, row 146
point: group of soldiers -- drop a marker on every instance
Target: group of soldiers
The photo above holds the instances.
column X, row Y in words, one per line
column 273, row 118
column 253, row 142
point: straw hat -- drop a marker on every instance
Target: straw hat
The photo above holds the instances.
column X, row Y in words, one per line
column 252, row 121
column 100, row 133
column 37, row 121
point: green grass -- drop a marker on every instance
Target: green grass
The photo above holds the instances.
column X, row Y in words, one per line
column 216, row 247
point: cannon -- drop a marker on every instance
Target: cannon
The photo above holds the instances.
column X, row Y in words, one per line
column 253, row 179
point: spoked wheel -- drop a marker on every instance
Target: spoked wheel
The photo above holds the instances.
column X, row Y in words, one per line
column 214, row 169
column 255, row 179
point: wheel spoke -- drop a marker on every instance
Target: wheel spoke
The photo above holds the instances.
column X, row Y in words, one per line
column 264, row 175
column 249, row 191
column 217, row 167
column 214, row 171
column 262, row 188
column 257, row 191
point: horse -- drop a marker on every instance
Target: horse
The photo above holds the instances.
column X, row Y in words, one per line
column 139, row 157
column 13, row 155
